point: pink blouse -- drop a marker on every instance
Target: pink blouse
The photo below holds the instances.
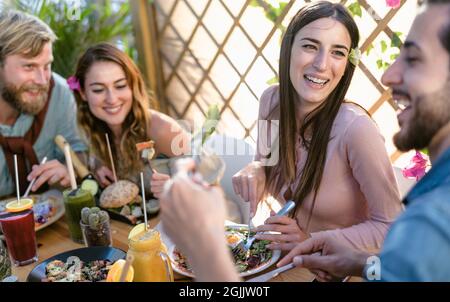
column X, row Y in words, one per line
column 358, row 197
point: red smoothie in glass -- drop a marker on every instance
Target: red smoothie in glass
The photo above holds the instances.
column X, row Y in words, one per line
column 20, row 236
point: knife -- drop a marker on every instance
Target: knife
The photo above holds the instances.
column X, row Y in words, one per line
column 272, row 274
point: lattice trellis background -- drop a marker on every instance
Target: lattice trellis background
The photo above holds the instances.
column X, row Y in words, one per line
column 226, row 52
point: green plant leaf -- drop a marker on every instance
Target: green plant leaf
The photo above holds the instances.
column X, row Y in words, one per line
column 396, row 41
column 380, row 64
column 281, row 8
column 211, row 120
column 271, row 15
column 383, row 46
column 271, row 12
column 107, row 11
column 254, row 3
column 106, row 23
column 369, row 48
column 272, row 81
column 355, row 9
column 394, row 56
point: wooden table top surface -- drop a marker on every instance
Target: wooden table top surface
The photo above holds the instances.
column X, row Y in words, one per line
column 55, row 239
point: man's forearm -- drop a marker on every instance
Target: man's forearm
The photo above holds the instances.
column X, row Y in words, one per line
column 217, row 268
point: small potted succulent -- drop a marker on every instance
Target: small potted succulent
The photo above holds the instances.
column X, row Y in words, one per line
column 95, row 227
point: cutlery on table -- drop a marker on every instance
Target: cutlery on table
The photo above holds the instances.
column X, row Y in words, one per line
column 33, row 180
column 241, row 247
column 272, row 274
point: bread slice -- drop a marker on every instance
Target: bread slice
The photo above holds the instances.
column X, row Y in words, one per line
column 119, row 194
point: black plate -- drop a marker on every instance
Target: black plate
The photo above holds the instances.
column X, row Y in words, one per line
column 122, row 218
column 85, row 254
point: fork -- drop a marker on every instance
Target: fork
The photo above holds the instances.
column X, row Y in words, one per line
column 245, row 248
column 34, row 180
column 241, row 247
column 248, row 235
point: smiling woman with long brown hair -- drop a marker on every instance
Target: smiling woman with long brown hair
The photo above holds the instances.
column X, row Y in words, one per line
column 332, row 160
column 112, row 99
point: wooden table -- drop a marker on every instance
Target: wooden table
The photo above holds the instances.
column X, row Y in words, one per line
column 55, row 239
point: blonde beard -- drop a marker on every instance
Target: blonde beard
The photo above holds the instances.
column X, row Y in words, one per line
column 15, row 98
column 35, row 106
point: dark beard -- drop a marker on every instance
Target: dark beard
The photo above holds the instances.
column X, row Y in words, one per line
column 432, row 112
column 13, row 96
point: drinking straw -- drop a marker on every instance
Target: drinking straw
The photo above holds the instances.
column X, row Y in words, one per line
column 17, row 178
column 143, row 200
column 126, row 267
column 69, row 164
column 44, row 160
column 110, row 157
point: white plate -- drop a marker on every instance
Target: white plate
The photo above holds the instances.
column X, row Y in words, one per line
column 275, row 256
column 56, row 200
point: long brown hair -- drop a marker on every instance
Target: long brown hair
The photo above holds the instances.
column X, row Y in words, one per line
column 319, row 121
column 134, row 128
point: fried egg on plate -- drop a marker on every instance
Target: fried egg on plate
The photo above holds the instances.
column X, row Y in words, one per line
column 233, row 238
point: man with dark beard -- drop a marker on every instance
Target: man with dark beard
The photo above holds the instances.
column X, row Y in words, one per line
column 35, row 105
column 417, row 246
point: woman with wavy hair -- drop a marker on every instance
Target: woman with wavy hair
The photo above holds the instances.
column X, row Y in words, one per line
column 112, row 99
column 330, row 159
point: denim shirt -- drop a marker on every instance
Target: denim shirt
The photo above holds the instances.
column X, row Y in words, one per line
column 417, row 246
column 60, row 119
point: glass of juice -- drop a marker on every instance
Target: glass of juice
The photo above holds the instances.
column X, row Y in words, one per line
column 18, row 228
column 151, row 263
column 74, row 201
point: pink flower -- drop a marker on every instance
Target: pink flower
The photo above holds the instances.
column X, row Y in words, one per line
column 416, row 168
column 393, row 3
column 73, row 82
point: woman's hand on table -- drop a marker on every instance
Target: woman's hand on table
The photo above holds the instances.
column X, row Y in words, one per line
column 104, row 176
column 52, row 172
column 157, row 183
column 291, row 233
column 249, row 183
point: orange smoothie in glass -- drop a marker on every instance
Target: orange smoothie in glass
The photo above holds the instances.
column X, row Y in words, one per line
column 151, row 263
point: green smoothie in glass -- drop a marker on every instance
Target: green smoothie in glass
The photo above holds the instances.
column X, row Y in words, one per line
column 74, row 201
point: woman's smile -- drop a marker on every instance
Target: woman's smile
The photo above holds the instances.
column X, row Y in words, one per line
column 113, row 109
column 315, row 82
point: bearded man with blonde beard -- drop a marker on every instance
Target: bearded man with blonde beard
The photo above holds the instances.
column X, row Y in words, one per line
column 35, row 106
